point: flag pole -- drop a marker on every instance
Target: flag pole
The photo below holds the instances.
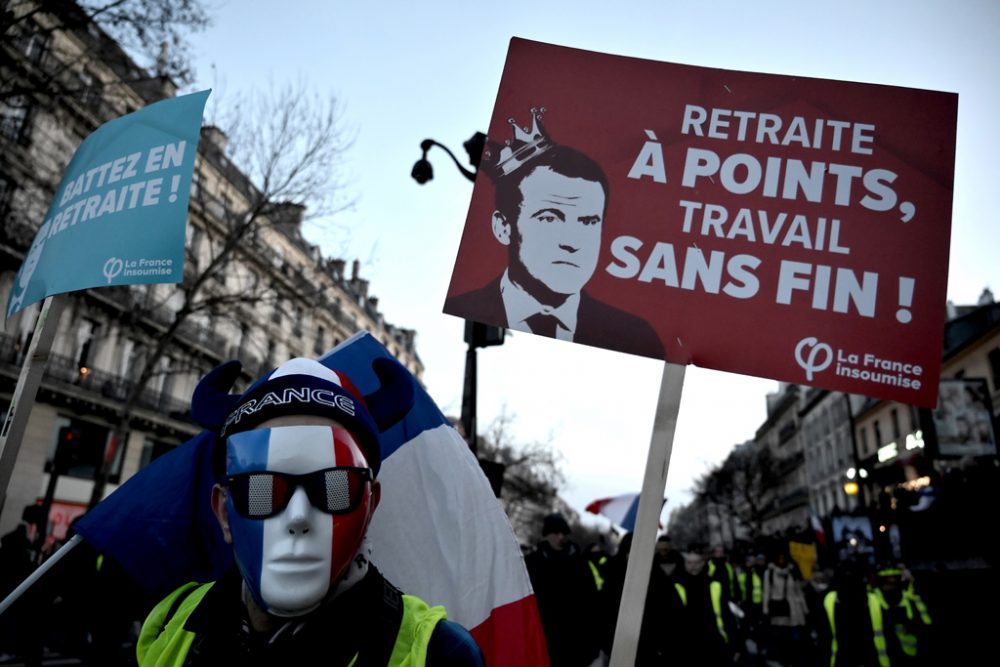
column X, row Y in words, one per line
column 23, row 399
column 39, row 571
column 633, row 602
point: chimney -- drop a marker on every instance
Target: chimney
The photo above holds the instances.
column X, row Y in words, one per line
column 986, row 298
column 337, row 269
column 163, row 59
column 216, row 136
column 289, row 214
column 355, row 269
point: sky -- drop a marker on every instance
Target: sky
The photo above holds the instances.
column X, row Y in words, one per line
column 409, row 71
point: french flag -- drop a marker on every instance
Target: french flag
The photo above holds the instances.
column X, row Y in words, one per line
column 439, row 532
column 817, row 526
column 620, row 509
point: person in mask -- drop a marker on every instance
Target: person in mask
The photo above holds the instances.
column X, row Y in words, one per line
column 296, row 460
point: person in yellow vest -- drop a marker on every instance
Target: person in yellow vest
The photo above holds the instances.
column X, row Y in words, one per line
column 663, row 636
column 296, row 459
column 721, row 569
column 879, row 625
column 751, row 585
column 709, row 625
column 905, row 618
column 597, row 558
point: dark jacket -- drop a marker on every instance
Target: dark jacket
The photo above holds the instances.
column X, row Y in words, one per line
column 663, row 635
column 567, row 603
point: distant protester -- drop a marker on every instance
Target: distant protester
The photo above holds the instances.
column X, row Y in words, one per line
column 566, row 594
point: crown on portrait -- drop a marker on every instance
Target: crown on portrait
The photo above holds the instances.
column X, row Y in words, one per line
column 526, row 144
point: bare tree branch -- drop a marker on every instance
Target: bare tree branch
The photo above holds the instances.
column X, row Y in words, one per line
column 292, row 154
column 532, row 475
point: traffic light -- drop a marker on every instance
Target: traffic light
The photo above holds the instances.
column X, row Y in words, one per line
column 478, row 334
column 70, row 441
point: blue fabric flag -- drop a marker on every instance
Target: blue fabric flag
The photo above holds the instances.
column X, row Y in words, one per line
column 159, row 524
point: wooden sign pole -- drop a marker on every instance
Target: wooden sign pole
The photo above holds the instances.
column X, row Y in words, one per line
column 23, row 399
column 640, row 560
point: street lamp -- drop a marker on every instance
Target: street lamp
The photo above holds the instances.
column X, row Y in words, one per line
column 423, row 171
column 476, row 334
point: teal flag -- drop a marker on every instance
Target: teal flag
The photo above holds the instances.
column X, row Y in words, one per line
column 118, row 216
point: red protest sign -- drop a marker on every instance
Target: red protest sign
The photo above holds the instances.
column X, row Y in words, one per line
column 776, row 226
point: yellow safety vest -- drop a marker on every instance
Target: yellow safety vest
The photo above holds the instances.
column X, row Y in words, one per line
column 876, row 605
column 910, row 596
column 756, row 587
column 907, row 640
column 730, row 576
column 598, row 579
column 715, row 588
column 164, row 642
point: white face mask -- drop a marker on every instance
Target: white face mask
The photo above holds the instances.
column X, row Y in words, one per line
column 290, row 560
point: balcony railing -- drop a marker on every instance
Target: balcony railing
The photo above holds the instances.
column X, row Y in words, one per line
column 65, row 371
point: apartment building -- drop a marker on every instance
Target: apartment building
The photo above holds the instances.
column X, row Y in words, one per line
column 274, row 297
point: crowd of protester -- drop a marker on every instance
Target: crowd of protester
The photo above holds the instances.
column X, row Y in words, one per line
column 705, row 606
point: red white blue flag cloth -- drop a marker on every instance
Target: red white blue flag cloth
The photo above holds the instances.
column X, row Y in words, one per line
column 439, row 532
column 817, row 526
column 621, row 509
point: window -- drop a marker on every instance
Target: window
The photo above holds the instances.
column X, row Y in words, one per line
column 91, row 90
column 194, row 236
column 129, row 360
column 896, row 432
column 169, row 379
column 14, row 118
column 33, row 46
column 878, row 434
column 864, row 440
column 84, row 343
column 195, row 185
column 6, row 189
column 320, row 346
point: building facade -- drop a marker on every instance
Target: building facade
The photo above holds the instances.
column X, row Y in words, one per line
column 830, row 450
column 922, row 477
column 116, row 390
column 787, row 500
column 932, row 472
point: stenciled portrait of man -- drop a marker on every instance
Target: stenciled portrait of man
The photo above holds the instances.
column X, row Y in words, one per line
column 550, row 207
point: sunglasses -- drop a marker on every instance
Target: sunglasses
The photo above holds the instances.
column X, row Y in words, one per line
column 261, row 495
